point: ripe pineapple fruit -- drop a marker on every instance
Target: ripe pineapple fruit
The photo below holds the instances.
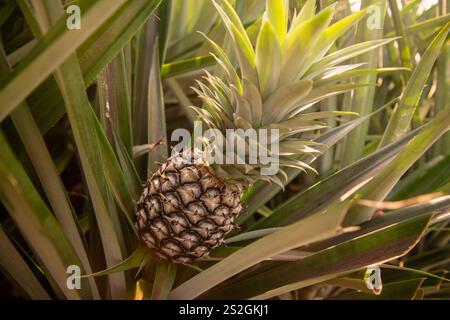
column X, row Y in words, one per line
column 187, row 207
column 185, row 210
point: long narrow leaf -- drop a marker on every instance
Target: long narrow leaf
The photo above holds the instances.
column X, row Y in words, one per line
column 370, row 249
column 55, row 47
column 378, row 188
column 36, row 223
column 400, row 121
column 311, row 229
column 324, row 192
column 12, row 263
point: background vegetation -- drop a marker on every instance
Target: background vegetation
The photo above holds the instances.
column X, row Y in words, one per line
column 84, row 119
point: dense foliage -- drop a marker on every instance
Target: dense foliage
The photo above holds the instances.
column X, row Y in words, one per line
column 86, row 115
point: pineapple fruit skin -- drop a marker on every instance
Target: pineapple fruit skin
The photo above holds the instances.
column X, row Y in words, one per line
column 185, row 211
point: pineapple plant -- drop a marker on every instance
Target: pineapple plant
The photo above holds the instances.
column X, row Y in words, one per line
column 186, row 209
column 353, row 93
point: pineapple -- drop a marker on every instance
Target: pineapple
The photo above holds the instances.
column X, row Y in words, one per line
column 185, row 210
column 187, row 207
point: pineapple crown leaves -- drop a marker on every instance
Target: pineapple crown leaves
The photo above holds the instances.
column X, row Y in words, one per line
column 284, row 73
